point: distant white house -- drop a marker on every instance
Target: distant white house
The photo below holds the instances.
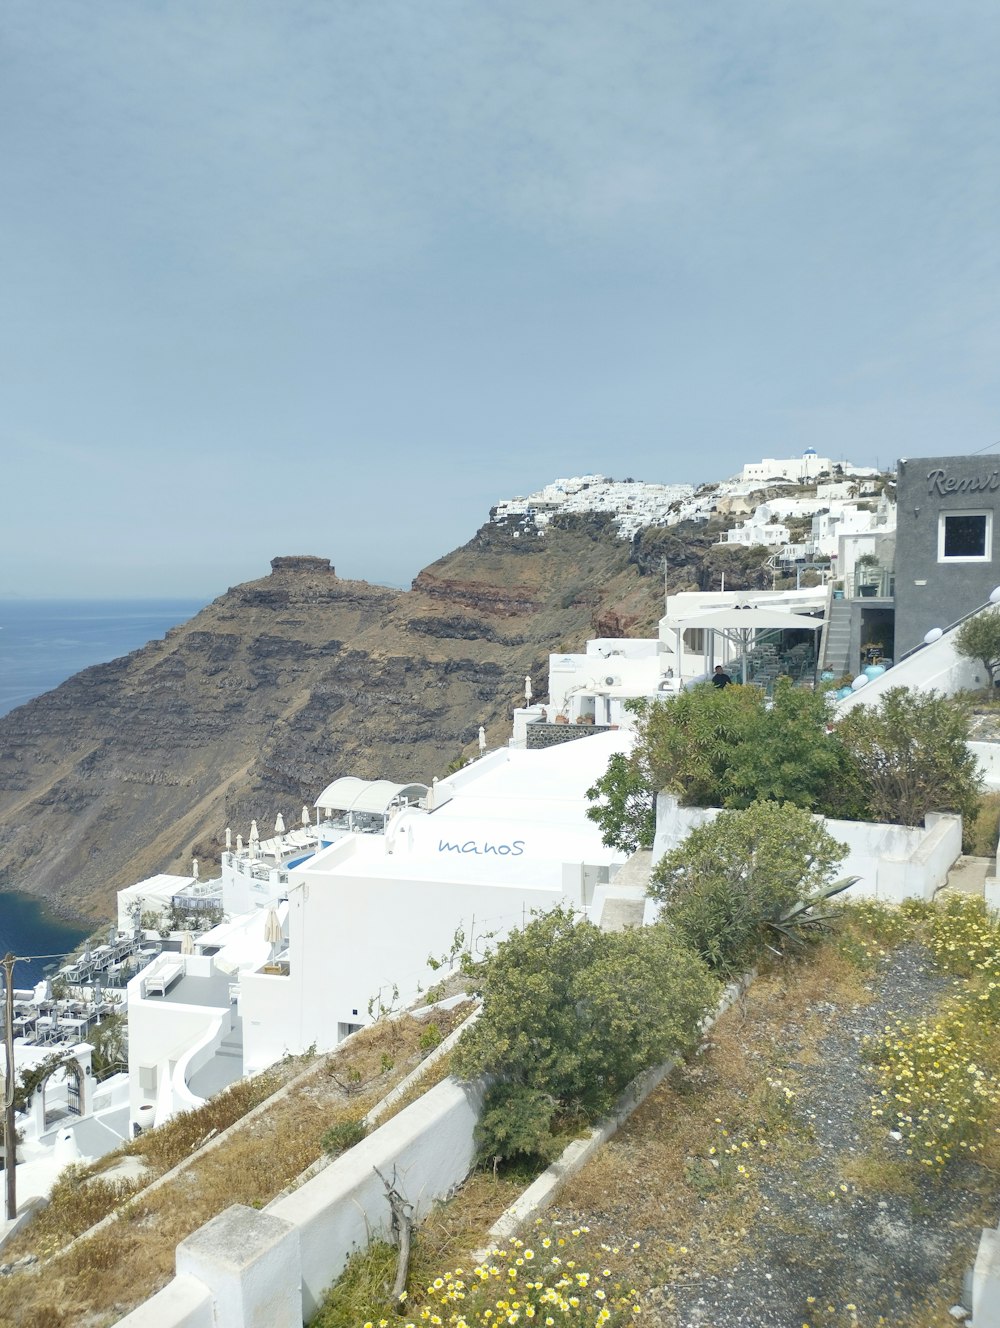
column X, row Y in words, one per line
column 799, row 469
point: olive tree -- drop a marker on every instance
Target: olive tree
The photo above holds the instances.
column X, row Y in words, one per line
column 979, row 638
column 909, row 755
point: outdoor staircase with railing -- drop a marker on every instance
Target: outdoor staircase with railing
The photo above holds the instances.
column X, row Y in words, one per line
column 837, row 637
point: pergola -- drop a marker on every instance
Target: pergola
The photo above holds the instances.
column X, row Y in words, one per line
column 740, row 623
column 352, row 797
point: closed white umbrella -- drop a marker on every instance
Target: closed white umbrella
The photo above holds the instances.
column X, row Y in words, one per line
column 482, row 738
column 272, row 931
column 305, row 816
column 187, row 943
column 279, row 824
column 527, row 689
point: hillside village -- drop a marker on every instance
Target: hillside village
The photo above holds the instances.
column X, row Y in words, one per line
column 285, row 949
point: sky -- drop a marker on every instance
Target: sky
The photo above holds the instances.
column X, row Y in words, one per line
column 335, row 276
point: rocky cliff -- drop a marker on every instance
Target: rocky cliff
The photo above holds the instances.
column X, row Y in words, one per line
column 282, row 684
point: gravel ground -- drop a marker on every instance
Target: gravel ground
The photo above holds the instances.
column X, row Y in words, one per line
column 859, row 1257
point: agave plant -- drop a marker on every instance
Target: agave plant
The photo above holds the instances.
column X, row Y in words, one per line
column 798, row 924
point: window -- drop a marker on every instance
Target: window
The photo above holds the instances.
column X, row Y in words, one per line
column 965, row 537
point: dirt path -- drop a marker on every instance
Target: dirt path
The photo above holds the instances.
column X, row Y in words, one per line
column 758, row 1186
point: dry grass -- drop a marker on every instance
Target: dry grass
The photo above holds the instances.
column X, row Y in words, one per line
column 443, row 1241
column 656, row 1183
column 101, row 1277
column 435, row 1075
column 651, row 1183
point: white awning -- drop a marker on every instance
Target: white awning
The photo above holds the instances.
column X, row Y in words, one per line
column 752, row 618
column 349, row 794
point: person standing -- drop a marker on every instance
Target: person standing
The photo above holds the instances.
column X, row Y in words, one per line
column 720, row 678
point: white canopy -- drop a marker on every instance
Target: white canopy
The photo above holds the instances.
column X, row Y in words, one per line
column 738, row 624
column 752, row 618
column 349, row 794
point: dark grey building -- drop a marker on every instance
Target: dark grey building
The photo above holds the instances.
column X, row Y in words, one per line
column 946, row 529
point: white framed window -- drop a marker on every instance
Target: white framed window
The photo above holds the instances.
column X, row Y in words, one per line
column 965, row 537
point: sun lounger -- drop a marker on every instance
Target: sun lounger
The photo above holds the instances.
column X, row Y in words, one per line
column 158, row 983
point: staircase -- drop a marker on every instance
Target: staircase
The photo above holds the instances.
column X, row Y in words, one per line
column 225, row 1067
column 837, row 638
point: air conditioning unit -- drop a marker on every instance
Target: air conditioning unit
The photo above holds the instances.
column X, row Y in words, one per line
column 612, row 681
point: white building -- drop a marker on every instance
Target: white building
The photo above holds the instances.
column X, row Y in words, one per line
column 801, row 470
column 633, row 503
column 592, row 687
column 148, row 903
column 364, row 914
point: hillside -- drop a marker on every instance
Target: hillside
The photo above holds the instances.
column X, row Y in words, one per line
column 280, row 685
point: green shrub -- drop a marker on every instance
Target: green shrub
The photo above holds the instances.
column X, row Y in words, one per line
column 731, row 881
column 516, row 1122
column 983, row 831
column 430, row 1038
column 979, row 638
column 344, row 1135
column 907, row 756
column 575, row 1013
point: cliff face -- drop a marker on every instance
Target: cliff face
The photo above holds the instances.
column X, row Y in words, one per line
column 282, row 684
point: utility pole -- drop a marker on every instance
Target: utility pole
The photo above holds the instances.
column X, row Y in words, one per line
column 9, row 1132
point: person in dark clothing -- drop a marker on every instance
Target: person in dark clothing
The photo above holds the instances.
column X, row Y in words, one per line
column 720, row 678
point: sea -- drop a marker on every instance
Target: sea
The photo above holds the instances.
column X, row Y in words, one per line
column 42, row 643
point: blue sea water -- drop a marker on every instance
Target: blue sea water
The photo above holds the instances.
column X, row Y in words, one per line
column 27, row 930
column 42, row 643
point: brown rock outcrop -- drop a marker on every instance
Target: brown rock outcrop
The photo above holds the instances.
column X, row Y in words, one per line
column 280, row 685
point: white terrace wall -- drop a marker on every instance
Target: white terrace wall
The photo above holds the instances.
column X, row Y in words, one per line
column 987, row 756
column 893, row 862
column 430, row 1147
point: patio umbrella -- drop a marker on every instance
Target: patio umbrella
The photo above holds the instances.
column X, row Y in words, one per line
column 527, row 689
column 482, row 738
column 305, row 816
column 279, row 824
column 738, row 624
column 272, row 931
column 187, row 943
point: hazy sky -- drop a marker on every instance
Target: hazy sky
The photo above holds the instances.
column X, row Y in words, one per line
column 292, row 277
